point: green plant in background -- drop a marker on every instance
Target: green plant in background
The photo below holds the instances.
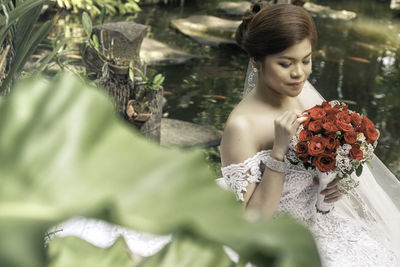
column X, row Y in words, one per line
column 17, row 29
column 65, row 153
column 94, row 7
column 157, row 81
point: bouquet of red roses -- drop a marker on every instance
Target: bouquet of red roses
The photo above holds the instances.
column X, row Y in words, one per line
column 334, row 141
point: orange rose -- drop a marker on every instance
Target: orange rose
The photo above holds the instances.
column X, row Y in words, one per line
column 317, row 146
column 302, row 147
column 330, row 127
column 355, row 119
column 356, row 152
column 346, row 127
column 317, row 113
column 344, row 116
column 306, row 122
column 332, row 143
column 315, row 126
column 325, row 162
column 305, row 135
column 350, row 137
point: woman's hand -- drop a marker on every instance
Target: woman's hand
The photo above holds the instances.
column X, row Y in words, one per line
column 331, row 191
column 285, row 127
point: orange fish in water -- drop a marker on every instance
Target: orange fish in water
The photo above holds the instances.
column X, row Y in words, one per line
column 359, row 59
column 216, row 97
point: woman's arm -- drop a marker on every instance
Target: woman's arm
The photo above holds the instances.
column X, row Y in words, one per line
column 238, row 144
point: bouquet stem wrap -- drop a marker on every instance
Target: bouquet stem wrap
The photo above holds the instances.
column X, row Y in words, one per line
column 324, row 179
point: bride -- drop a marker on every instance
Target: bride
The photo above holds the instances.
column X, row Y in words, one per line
column 363, row 228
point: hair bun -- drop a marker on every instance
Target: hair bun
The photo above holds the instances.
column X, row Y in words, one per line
column 246, row 19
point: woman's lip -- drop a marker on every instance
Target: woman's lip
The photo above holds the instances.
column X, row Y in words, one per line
column 296, row 84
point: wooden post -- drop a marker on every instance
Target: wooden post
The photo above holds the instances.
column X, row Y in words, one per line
column 120, row 43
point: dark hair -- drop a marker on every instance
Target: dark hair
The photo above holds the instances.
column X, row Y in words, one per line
column 270, row 29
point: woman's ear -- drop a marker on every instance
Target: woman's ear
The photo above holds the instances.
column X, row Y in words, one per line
column 254, row 63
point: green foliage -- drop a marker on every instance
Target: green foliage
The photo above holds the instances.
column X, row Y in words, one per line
column 150, row 84
column 95, row 7
column 65, row 153
column 18, row 25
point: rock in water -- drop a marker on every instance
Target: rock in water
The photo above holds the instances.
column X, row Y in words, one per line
column 187, row 134
column 233, row 8
column 208, row 30
column 156, row 53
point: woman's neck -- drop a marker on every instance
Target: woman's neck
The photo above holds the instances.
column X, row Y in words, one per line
column 267, row 95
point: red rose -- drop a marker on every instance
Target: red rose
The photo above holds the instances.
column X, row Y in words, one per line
column 317, row 146
column 356, row 152
column 328, row 108
column 346, row 127
column 344, row 116
column 305, row 135
column 368, row 128
column 350, row 137
column 325, row 162
column 306, row 122
column 315, row 126
column 330, row 127
column 355, row 119
column 330, row 118
column 302, row 147
column 371, row 133
column 332, row 143
column 317, row 113
column 303, row 157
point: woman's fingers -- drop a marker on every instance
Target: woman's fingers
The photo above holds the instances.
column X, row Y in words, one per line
column 328, row 191
column 333, row 198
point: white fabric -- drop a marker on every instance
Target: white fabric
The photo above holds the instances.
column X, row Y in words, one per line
column 375, row 203
column 341, row 241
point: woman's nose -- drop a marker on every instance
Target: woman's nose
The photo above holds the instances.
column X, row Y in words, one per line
column 297, row 72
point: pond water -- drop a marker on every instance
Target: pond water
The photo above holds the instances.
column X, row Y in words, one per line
column 357, row 61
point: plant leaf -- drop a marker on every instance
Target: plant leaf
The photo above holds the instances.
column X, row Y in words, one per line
column 359, row 170
column 65, row 153
column 87, row 24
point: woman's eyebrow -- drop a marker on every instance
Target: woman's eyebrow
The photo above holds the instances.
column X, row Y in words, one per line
column 292, row 58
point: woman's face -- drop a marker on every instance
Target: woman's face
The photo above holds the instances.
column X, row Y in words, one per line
column 286, row 72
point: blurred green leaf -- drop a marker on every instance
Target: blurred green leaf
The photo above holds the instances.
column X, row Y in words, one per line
column 87, row 24
column 72, row 251
column 65, row 153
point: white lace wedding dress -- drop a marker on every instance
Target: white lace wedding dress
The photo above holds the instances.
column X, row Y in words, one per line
column 340, row 240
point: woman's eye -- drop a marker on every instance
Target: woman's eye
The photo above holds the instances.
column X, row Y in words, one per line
column 306, row 62
column 284, row 65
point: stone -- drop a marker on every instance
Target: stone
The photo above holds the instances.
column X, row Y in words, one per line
column 314, row 9
column 156, row 53
column 327, row 12
column 207, row 30
column 187, row 134
column 233, row 8
column 395, row 4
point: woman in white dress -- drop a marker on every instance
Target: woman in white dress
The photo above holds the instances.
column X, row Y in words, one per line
column 255, row 145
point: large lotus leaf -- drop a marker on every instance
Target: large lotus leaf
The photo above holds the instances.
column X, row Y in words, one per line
column 72, row 252
column 63, row 152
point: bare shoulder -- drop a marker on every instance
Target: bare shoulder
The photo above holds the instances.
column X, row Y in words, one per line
column 248, row 130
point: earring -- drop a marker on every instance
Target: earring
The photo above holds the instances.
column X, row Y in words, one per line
column 255, row 69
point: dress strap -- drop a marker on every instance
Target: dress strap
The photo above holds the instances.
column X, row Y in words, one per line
column 237, row 176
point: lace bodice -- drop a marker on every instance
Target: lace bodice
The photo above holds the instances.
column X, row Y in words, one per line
column 340, row 240
column 299, row 193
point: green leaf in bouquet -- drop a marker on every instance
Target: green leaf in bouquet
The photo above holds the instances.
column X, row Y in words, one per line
column 72, row 251
column 359, row 170
column 65, row 153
